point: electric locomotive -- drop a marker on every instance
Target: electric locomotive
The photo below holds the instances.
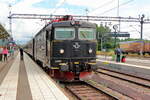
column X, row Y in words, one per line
column 66, row 48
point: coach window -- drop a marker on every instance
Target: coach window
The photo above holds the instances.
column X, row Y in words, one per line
column 87, row 34
column 64, row 33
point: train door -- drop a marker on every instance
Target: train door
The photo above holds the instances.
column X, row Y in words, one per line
column 47, row 48
column 33, row 48
column 46, row 43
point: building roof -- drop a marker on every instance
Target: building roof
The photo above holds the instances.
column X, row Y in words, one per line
column 3, row 32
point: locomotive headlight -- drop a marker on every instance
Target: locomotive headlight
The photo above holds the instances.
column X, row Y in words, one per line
column 61, row 51
column 90, row 50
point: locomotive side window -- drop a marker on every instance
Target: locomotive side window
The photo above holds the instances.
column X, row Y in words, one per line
column 64, row 33
column 87, row 34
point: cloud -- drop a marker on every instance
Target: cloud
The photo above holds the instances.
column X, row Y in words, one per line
column 87, row 3
column 4, row 14
column 25, row 29
column 22, row 28
column 60, row 3
column 8, row 1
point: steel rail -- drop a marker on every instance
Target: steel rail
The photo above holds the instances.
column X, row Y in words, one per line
column 125, row 79
column 91, row 86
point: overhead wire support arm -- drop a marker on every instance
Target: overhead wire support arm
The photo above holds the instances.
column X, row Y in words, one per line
column 146, row 21
column 32, row 16
column 92, row 18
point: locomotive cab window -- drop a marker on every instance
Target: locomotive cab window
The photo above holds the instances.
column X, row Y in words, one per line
column 87, row 34
column 64, row 33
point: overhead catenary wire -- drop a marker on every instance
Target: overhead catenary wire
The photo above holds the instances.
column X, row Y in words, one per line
column 122, row 4
column 91, row 18
column 101, row 6
column 96, row 18
column 58, row 7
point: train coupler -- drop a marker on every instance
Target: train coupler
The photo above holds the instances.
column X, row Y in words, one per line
column 64, row 67
column 93, row 66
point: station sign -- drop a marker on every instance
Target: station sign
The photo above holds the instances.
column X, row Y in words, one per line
column 120, row 34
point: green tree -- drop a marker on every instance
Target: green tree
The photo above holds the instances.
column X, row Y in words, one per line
column 104, row 41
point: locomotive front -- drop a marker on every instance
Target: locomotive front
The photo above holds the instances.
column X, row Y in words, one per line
column 73, row 49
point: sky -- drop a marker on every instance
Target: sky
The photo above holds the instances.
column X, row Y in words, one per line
column 24, row 30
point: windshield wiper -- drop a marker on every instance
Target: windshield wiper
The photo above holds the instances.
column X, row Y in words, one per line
column 84, row 35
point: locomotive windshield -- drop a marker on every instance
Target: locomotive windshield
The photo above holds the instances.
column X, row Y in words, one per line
column 64, row 33
column 87, row 34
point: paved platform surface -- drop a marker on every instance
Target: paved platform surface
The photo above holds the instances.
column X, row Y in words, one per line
column 131, row 61
column 24, row 80
column 142, row 71
column 124, row 64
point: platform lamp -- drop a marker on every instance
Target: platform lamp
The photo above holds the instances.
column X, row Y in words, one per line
column 115, row 27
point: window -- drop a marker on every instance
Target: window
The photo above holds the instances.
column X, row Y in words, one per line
column 64, row 33
column 87, row 34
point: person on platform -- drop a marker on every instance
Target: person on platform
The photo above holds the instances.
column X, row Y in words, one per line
column 5, row 53
column 12, row 52
column 118, row 53
column 21, row 53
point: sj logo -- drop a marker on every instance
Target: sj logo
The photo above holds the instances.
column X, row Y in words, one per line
column 76, row 45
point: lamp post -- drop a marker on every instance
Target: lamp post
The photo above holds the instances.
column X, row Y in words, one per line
column 142, row 44
column 10, row 20
column 141, row 22
column 87, row 11
column 119, row 24
column 115, row 27
column 141, row 33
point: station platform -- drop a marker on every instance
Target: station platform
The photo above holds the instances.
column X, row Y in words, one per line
column 138, row 70
column 25, row 80
column 123, row 64
column 129, row 60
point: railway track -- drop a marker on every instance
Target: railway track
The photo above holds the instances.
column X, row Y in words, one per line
column 126, row 77
column 85, row 91
column 131, row 86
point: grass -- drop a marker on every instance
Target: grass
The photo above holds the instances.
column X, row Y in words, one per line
column 110, row 53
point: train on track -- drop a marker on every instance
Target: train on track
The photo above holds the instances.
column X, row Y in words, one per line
column 66, row 48
column 135, row 47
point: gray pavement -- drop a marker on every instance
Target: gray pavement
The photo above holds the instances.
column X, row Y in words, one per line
column 134, row 61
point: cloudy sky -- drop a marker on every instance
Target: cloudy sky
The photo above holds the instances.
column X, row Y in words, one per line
column 24, row 30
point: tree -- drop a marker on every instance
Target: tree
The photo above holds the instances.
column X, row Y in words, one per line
column 104, row 41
